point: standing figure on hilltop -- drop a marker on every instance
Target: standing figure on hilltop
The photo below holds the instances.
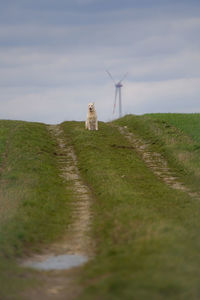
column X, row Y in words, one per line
column 91, row 122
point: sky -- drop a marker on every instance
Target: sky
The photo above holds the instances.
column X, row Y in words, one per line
column 54, row 55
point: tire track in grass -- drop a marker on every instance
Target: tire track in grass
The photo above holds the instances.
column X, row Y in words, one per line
column 60, row 283
column 77, row 240
column 156, row 162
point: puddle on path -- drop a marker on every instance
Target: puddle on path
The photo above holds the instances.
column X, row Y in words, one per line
column 59, row 262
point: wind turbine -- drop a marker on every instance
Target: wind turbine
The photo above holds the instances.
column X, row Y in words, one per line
column 118, row 94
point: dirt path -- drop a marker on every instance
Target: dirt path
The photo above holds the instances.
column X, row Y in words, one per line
column 156, row 162
column 77, row 240
column 61, row 284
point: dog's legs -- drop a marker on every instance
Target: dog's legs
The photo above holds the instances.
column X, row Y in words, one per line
column 86, row 125
column 96, row 125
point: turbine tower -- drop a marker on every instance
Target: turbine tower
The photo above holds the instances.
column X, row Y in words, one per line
column 118, row 94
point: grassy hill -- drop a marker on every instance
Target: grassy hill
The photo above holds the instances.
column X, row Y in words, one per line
column 146, row 233
column 176, row 137
column 33, row 198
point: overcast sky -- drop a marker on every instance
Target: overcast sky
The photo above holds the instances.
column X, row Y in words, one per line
column 54, row 53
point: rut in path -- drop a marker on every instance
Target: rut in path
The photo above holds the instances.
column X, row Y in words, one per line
column 156, row 162
column 61, row 284
column 77, row 239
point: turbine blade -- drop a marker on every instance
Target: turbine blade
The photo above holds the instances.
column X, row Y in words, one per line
column 110, row 76
column 115, row 101
column 123, row 77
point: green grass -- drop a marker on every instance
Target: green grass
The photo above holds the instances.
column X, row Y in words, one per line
column 147, row 235
column 187, row 123
column 34, row 200
column 176, row 137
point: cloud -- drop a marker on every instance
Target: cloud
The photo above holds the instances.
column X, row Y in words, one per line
column 178, row 95
column 56, row 105
column 53, row 57
column 59, row 104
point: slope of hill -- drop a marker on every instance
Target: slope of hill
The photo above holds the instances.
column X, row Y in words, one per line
column 146, row 231
column 176, row 137
column 187, row 123
column 33, row 198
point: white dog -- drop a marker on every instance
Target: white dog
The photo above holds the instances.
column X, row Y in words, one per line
column 91, row 122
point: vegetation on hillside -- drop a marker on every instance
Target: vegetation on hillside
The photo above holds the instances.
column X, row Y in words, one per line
column 33, row 197
column 188, row 123
column 147, row 234
column 176, row 137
